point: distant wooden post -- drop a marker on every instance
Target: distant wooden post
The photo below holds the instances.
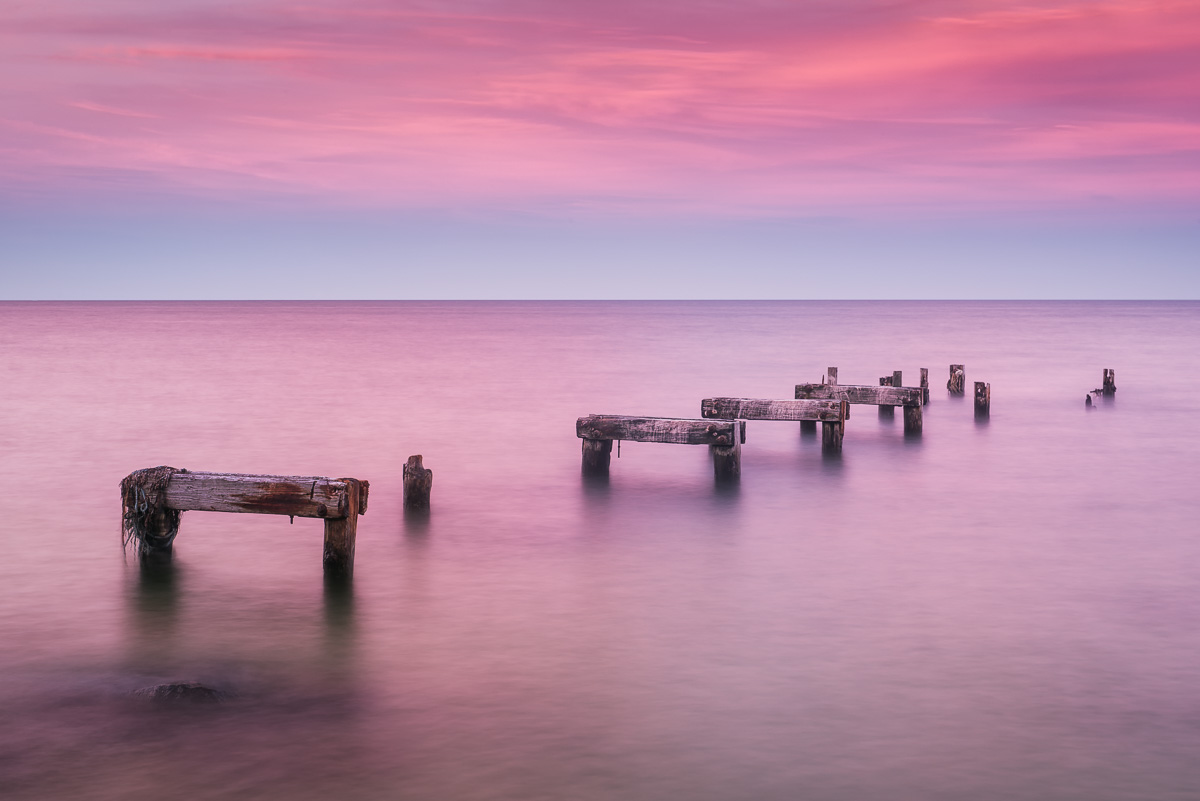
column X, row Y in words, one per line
column 418, row 481
column 983, row 399
column 886, row 411
column 1109, row 387
column 831, row 376
column 597, row 455
column 958, row 380
column 924, row 385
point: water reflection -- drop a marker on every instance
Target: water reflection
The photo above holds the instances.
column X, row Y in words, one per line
column 154, row 609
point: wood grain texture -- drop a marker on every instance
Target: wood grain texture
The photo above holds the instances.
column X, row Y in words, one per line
column 418, row 482
column 341, row 533
column 656, row 429
column 958, row 380
column 597, row 456
column 913, row 420
column 983, row 399
column 755, row 409
column 854, row 393
column 831, row 375
column 299, row 496
column 831, row 436
column 924, row 385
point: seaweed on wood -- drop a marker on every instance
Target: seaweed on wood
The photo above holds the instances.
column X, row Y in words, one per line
column 146, row 521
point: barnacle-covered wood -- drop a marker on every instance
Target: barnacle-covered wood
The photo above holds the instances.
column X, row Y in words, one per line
column 656, row 429
column 755, row 409
column 300, row 496
column 855, row 393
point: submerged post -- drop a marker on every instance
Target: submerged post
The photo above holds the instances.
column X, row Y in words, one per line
column 418, row 481
column 727, row 459
column 912, row 420
column 983, row 399
column 1109, row 387
column 831, row 376
column 833, row 431
column 886, row 411
column 924, row 385
column 597, row 455
column 810, row 426
column 341, row 532
column 958, row 380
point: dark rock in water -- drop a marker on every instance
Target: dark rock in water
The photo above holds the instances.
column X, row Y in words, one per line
column 182, row 692
column 1087, row 400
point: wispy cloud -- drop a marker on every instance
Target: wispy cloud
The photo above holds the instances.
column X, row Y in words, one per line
column 717, row 108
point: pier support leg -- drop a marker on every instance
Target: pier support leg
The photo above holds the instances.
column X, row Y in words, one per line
column 727, row 459
column 418, row 481
column 340, row 533
column 924, row 385
column 831, row 376
column 597, row 453
column 958, row 380
column 808, row 427
column 912, row 420
column 1109, row 387
column 983, row 399
column 886, row 412
column 832, row 432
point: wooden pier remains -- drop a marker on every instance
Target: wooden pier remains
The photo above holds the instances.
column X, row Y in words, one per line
column 925, row 386
column 418, row 481
column 908, row 397
column 958, row 380
column 154, row 498
column 724, row 438
column 831, row 414
column 1109, row 387
column 983, row 400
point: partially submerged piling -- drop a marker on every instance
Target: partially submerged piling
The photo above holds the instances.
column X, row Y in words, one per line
column 153, row 500
column 958, row 380
column 418, row 481
column 1109, row 387
column 983, row 399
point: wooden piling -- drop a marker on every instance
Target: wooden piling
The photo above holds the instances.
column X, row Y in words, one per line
column 597, row 455
column 958, row 380
column 418, row 481
column 832, row 434
column 727, row 459
column 340, row 533
column 810, row 426
column 831, row 376
column 884, row 410
column 912, row 419
column 924, row 385
column 1109, row 387
column 983, row 399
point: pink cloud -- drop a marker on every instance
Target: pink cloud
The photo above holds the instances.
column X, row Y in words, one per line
column 726, row 109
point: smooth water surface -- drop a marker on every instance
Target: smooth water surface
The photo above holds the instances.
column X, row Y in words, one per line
column 994, row 610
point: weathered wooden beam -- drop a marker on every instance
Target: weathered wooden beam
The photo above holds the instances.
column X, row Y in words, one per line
column 418, row 481
column 983, row 399
column 755, row 409
column 656, row 429
column 855, row 393
column 297, row 496
column 958, row 380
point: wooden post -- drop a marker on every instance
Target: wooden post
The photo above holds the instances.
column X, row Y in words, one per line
column 983, row 399
column 1109, row 387
column 597, row 455
column 418, row 481
column 886, row 412
column 912, row 419
column 958, row 380
column 810, row 426
column 727, row 459
column 831, row 376
column 924, row 385
column 833, row 431
column 340, row 533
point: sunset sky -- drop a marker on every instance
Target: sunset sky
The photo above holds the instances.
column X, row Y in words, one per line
column 814, row 148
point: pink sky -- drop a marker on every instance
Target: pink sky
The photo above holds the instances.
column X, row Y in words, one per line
column 742, row 110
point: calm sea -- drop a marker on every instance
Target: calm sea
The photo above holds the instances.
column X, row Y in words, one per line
column 1000, row 610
